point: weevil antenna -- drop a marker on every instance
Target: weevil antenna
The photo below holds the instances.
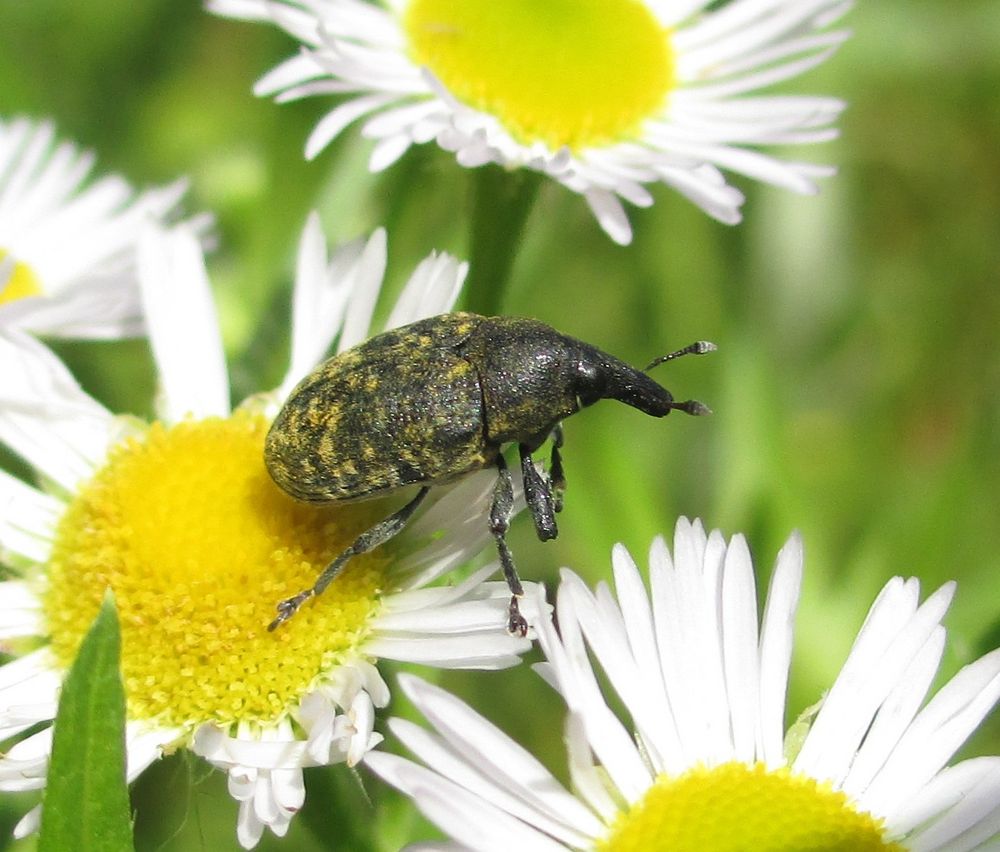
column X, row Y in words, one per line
column 691, row 406
column 699, row 347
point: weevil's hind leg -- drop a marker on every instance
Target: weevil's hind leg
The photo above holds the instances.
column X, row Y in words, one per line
column 556, row 476
column 364, row 543
column 500, row 512
column 538, row 496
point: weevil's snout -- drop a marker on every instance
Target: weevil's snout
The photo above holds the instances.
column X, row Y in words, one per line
column 601, row 376
column 638, row 390
column 642, row 392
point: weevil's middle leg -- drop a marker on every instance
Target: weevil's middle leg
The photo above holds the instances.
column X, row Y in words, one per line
column 364, row 543
column 500, row 512
column 557, row 477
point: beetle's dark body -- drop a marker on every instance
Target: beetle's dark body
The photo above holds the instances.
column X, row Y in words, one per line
column 430, row 402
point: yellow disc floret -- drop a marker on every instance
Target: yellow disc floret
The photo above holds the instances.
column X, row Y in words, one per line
column 570, row 73
column 19, row 282
column 198, row 544
column 736, row 806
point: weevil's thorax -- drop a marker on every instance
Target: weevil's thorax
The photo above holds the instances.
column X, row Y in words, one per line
column 525, row 369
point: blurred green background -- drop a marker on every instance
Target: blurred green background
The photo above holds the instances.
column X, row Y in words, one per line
column 856, row 389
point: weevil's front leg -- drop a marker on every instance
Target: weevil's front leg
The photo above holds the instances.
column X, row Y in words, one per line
column 500, row 512
column 538, row 496
column 364, row 543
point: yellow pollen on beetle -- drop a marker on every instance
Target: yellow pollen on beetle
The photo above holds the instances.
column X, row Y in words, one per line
column 19, row 282
column 185, row 525
column 573, row 73
column 737, row 806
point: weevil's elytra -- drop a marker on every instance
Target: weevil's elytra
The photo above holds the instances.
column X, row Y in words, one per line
column 430, row 402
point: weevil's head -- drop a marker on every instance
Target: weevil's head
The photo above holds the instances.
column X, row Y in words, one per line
column 532, row 377
column 598, row 375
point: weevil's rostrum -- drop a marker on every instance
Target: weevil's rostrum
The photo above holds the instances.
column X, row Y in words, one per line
column 430, row 402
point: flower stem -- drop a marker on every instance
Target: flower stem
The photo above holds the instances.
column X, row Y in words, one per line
column 501, row 202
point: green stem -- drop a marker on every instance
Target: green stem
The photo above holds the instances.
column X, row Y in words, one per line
column 501, row 202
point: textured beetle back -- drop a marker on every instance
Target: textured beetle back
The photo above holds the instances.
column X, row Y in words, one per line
column 399, row 409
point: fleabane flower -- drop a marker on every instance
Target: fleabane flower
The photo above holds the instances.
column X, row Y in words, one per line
column 68, row 243
column 607, row 97
column 703, row 761
column 181, row 519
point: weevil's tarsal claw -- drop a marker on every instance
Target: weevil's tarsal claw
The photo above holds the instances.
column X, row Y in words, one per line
column 288, row 607
column 517, row 625
column 699, row 347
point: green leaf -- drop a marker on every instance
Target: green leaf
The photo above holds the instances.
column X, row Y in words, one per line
column 86, row 806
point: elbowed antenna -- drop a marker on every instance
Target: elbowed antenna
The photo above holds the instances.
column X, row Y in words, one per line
column 699, row 347
column 691, row 406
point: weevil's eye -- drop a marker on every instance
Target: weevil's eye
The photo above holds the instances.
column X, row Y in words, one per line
column 590, row 383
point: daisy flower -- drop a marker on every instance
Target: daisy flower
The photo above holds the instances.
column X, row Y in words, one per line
column 704, row 762
column 604, row 96
column 180, row 518
column 67, row 246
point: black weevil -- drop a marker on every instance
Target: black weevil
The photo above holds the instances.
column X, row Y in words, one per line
column 434, row 400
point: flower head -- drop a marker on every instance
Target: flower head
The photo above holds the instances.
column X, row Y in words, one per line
column 180, row 518
column 68, row 246
column 604, row 96
column 704, row 763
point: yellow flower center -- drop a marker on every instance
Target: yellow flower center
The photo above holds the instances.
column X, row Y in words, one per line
column 735, row 807
column 573, row 73
column 19, row 282
column 199, row 545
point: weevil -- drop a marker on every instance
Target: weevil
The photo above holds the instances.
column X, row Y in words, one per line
column 427, row 403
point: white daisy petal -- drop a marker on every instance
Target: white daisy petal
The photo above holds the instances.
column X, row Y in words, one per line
column 642, row 644
column 604, row 629
column 739, row 614
column 183, row 326
column 367, row 280
column 28, row 520
column 578, row 685
column 970, row 823
column 287, row 76
column 945, row 790
column 467, row 743
column 432, row 289
column 337, row 120
column 449, row 652
column 895, row 715
column 587, row 778
column 45, row 417
column 473, row 822
column 22, row 612
column 871, row 683
column 145, row 746
column 314, row 297
column 323, row 290
column 610, row 215
column 29, row 823
column 96, row 308
column 937, row 732
column 776, row 637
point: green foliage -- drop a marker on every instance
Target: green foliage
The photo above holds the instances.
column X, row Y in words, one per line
column 86, row 807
